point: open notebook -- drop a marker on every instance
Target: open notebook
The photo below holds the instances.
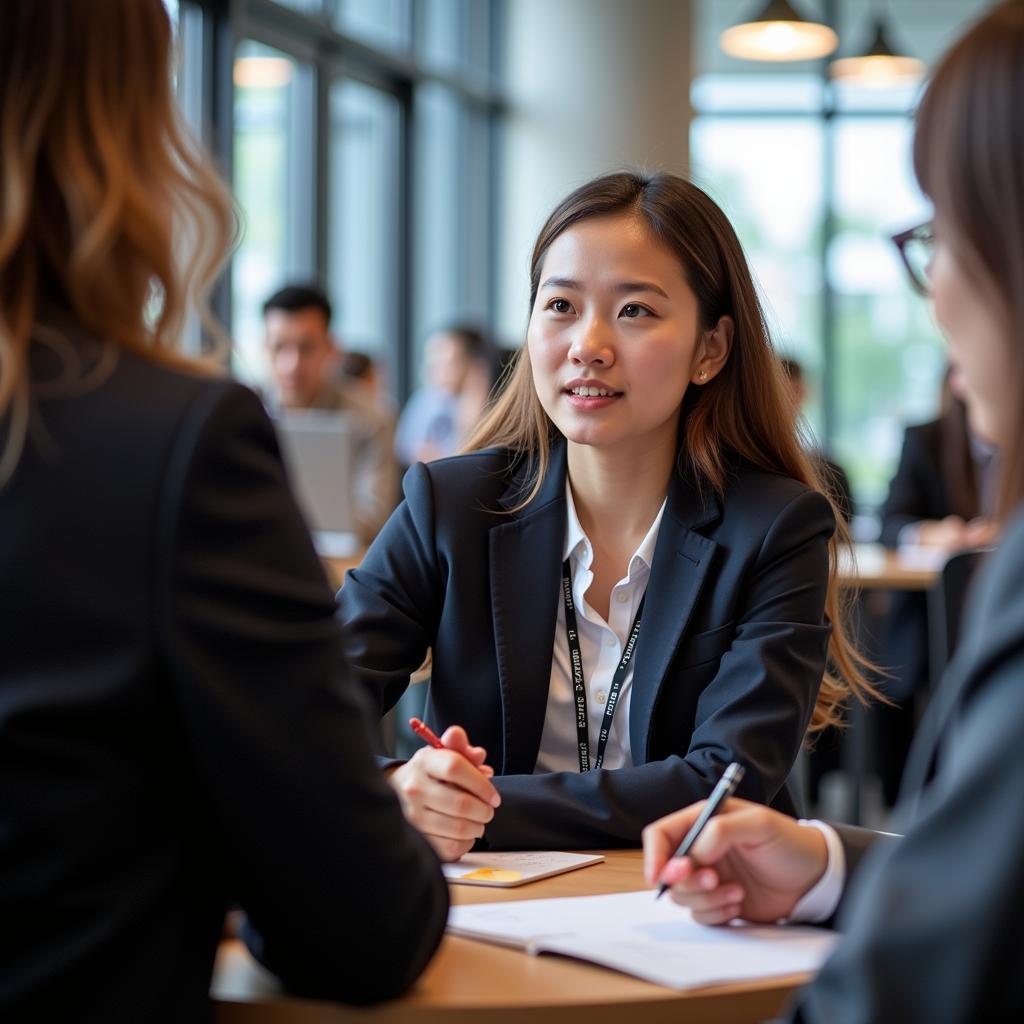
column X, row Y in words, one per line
column 652, row 939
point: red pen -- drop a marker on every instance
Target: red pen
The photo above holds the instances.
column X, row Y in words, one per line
column 425, row 733
column 428, row 735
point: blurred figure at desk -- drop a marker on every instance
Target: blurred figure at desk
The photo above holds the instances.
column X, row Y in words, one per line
column 303, row 356
column 942, row 497
column 943, row 493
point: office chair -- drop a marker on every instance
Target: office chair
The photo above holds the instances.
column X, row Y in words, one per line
column 946, row 601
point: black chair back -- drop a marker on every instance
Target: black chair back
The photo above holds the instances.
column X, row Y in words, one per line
column 946, row 602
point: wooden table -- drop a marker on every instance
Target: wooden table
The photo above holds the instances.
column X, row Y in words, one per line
column 874, row 567
column 478, row 983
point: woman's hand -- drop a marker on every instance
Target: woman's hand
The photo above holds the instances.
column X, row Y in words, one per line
column 750, row 862
column 447, row 794
column 953, row 534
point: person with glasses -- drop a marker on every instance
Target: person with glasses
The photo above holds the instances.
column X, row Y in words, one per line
column 931, row 919
column 916, row 246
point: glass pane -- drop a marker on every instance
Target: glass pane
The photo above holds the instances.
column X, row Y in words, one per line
column 475, row 292
column 189, row 82
column 775, row 93
column 364, row 207
column 379, row 22
column 274, row 187
column 767, row 175
column 889, row 356
column 441, row 175
column 307, row 6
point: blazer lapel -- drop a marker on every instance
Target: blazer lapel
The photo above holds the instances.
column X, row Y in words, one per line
column 682, row 559
column 941, row 709
column 525, row 570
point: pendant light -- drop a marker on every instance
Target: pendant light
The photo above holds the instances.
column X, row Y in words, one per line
column 778, row 33
column 879, row 65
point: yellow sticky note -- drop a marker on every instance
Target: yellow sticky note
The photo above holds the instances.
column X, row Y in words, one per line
column 495, row 875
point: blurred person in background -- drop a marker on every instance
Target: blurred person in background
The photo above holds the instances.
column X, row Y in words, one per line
column 304, row 358
column 366, row 372
column 459, row 370
column 177, row 729
column 944, row 491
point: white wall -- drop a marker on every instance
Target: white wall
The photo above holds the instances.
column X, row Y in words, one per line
column 593, row 86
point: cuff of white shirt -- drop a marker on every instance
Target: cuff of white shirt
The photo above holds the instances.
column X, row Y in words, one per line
column 819, row 902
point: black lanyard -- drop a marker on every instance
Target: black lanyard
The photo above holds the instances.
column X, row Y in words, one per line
column 579, row 689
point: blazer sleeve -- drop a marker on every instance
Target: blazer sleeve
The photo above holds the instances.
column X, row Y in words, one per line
column 907, row 501
column 932, row 921
column 347, row 897
column 390, row 606
column 754, row 710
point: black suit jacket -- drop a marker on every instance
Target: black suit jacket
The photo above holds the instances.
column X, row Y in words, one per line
column 176, row 732
column 728, row 663
column 933, row 921
column 919, row 490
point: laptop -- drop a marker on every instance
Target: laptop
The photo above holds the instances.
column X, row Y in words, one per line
column 319, row 451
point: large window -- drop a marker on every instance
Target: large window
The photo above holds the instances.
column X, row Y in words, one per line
column 768, row 176
column 361, row 159
column 815, row 177
column 273, row 162
column 365, row 211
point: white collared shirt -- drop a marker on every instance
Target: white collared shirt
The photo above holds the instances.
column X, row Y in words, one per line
column 601, row 645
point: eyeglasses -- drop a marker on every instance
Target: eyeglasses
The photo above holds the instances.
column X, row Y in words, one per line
column 916, row 246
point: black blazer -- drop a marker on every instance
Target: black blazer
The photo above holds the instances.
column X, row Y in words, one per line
column 728, row 663
column 919, row 490
column 933, row 921
column 176, row 728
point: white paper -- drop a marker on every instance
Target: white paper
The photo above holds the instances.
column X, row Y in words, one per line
column 529, row 864
column 652, row 939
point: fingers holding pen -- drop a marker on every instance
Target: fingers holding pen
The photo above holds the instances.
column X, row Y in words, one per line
column 455, row 738
column 711, row 899
column 446, row 791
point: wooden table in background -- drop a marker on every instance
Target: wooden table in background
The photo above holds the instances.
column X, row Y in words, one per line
column 478, row 983
column 873, row 567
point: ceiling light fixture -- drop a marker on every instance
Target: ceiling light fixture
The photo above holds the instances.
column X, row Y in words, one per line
column 879, row 65
column 778, row 33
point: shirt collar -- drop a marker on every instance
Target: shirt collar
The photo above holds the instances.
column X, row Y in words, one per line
column 577, row 543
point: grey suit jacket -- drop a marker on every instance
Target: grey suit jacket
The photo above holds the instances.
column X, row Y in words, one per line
column 727, row 667
column 934, row 921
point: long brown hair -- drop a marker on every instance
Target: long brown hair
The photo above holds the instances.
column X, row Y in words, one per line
column 745, row 411
column 111, row 220
column 969, row 158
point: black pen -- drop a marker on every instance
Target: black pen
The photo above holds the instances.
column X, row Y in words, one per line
column 726, row 786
